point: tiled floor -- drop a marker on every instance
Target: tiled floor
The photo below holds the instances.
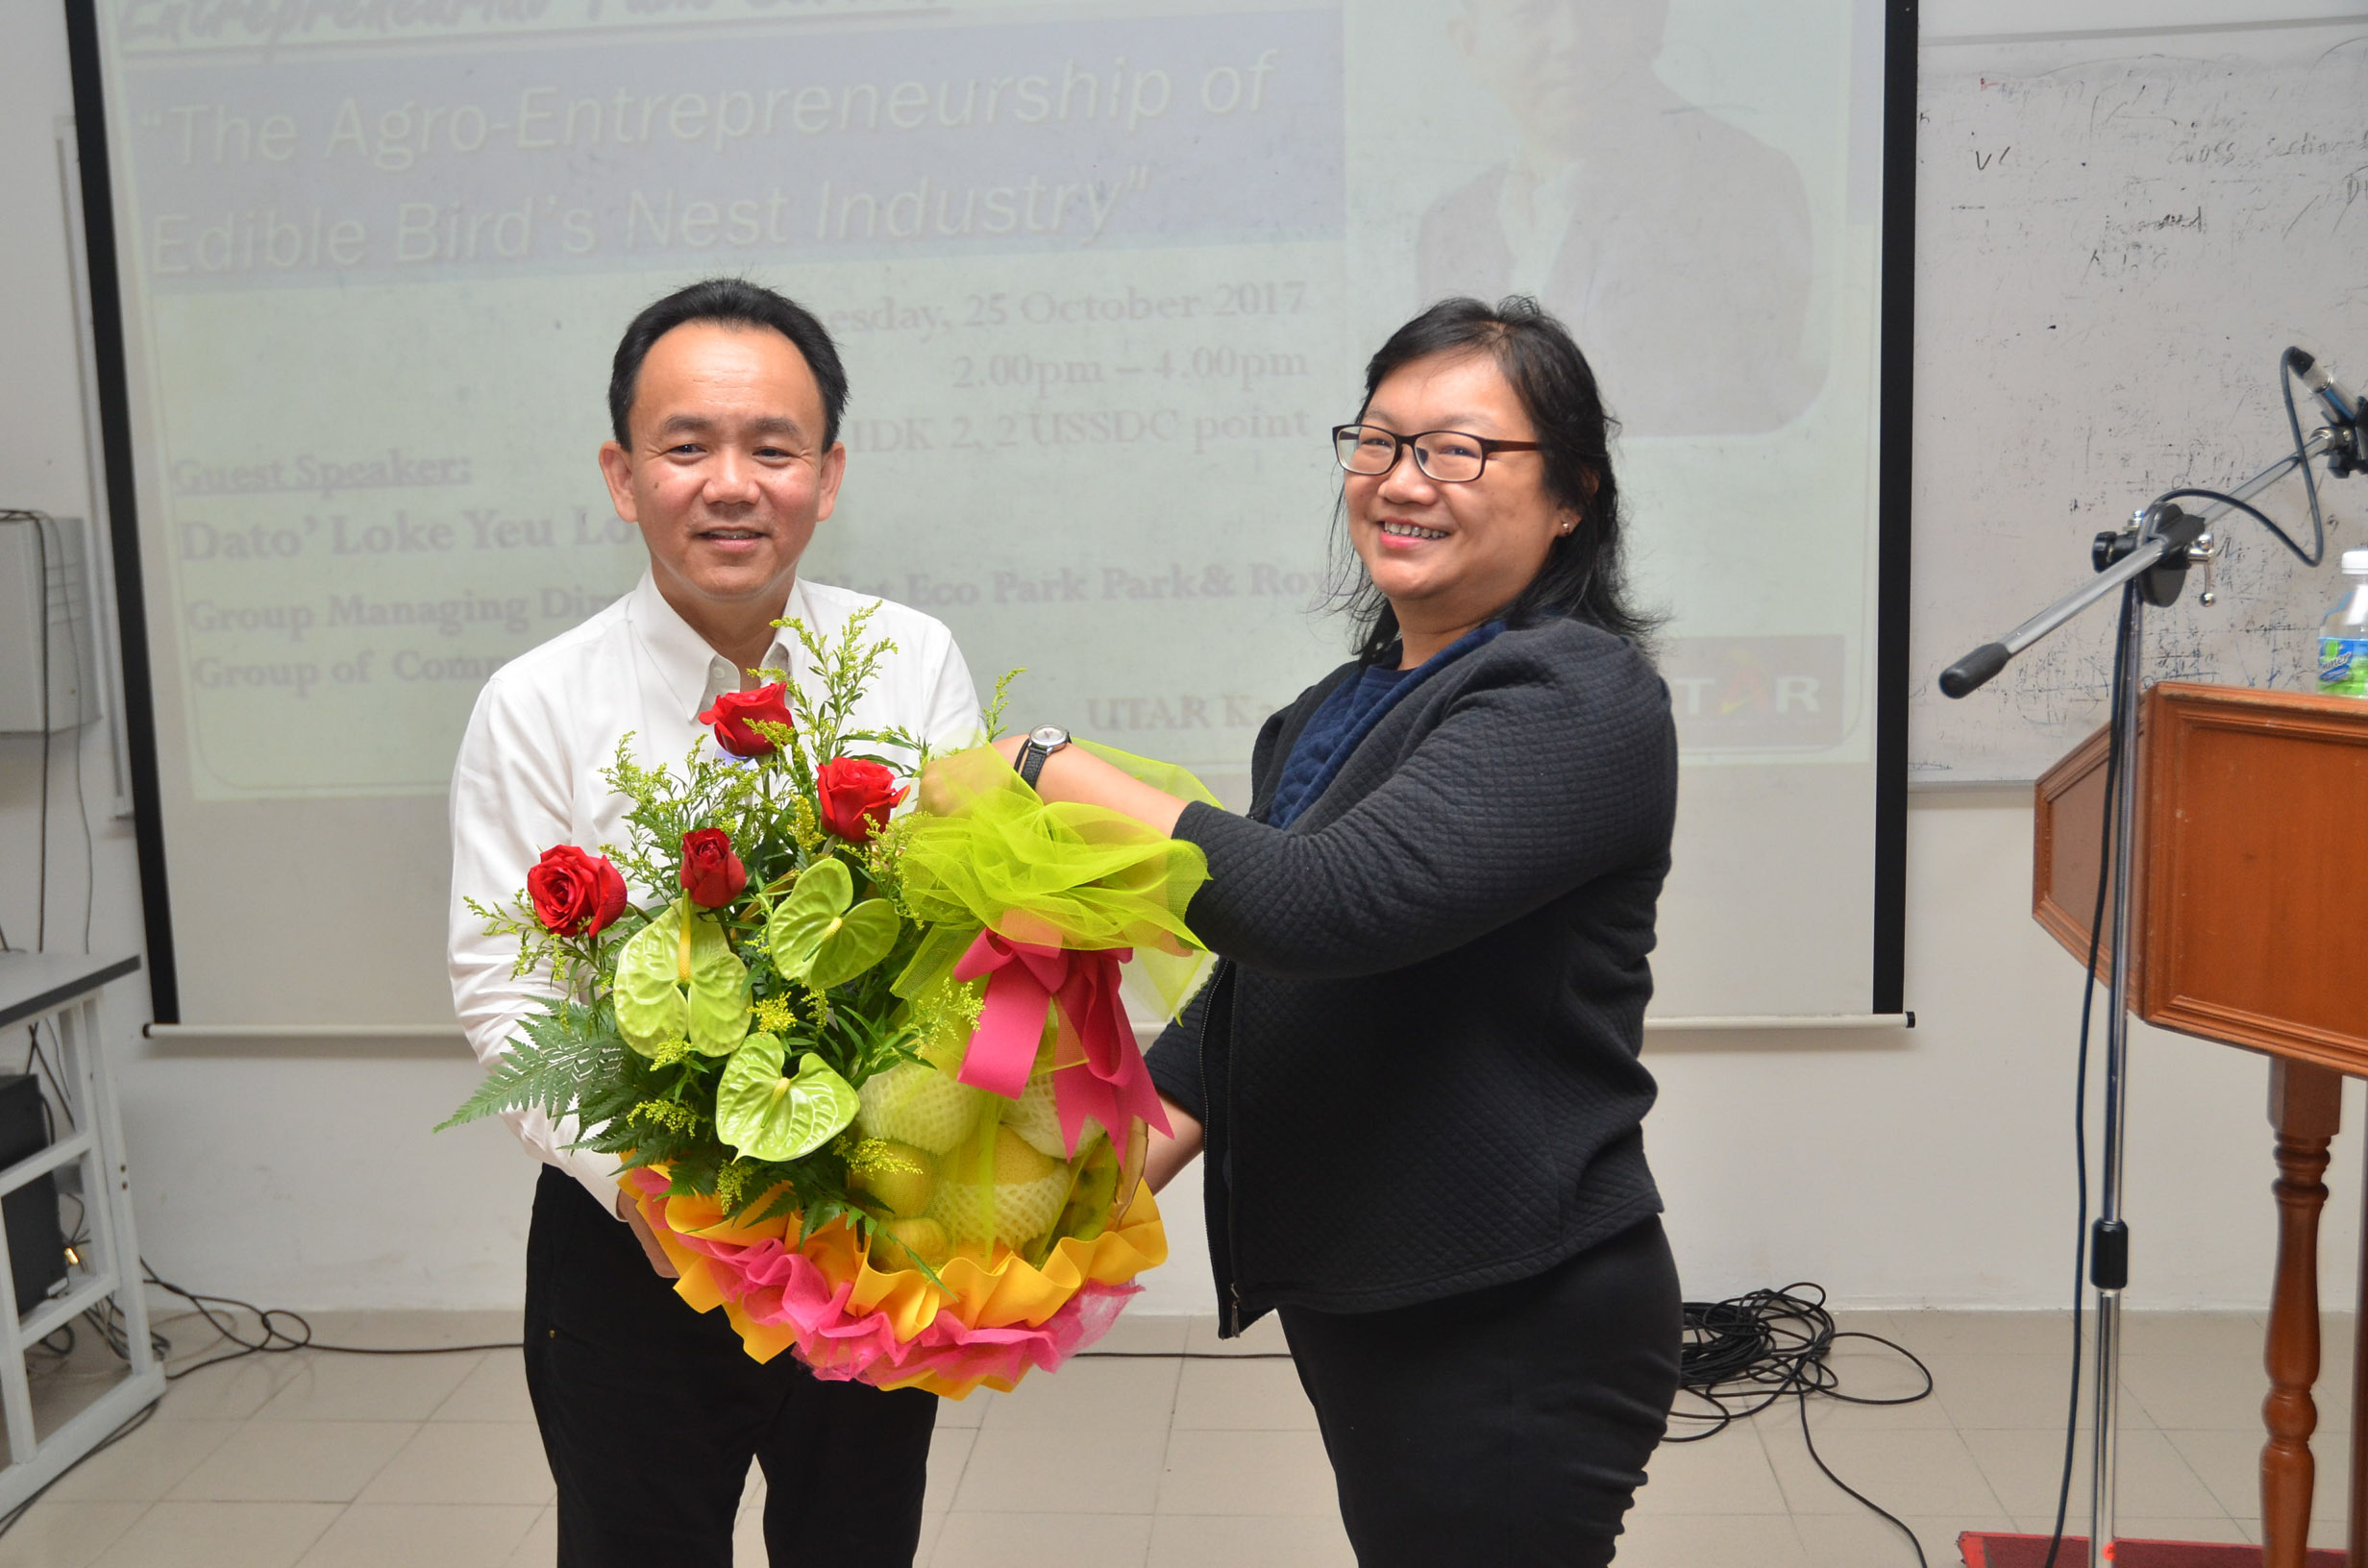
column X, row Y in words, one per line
column 337, row 1462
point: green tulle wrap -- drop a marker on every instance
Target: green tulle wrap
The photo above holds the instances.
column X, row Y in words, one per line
column 989, row 852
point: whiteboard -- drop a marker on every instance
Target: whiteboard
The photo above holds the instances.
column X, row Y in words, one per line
column 2116, row 237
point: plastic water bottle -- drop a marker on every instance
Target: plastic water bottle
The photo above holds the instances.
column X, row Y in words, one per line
column 2343, row 637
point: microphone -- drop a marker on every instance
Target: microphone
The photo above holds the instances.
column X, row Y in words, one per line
column 1974, row 671
column 2340, row 400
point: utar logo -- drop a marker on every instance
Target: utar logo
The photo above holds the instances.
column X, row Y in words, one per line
column 1749, row 693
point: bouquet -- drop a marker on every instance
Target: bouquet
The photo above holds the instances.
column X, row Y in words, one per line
column 866, row 1071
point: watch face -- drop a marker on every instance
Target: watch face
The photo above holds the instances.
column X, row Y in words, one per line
column 1049, row 736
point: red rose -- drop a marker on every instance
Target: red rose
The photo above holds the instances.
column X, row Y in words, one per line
column 574, row 893
column 732, row 712
column 712, row 874
column 856, row 797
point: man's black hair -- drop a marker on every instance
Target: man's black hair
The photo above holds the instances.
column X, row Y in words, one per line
column 734, row 302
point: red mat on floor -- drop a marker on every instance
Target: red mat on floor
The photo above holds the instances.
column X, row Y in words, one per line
column 1982, row 1550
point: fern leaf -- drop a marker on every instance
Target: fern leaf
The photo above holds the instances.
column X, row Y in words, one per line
column 565, row 1052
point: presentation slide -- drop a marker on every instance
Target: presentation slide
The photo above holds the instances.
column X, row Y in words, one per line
column 1103, row 277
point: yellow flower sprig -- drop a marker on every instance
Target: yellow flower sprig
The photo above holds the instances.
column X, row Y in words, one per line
column 672, row 1115
column 874, row 1156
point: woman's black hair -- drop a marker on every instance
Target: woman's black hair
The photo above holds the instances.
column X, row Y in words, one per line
column 734, row 302
column 1583, row 578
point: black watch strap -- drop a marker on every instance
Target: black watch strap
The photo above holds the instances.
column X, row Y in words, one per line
column 1041, row 743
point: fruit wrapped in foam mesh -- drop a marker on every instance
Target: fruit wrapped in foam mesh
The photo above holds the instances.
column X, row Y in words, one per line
column 993, row 1250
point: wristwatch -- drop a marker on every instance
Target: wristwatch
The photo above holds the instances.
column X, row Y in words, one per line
column 1041, row 743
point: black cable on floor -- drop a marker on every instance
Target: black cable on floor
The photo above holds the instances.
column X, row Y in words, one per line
column 268, row 1340
column 271, row 1339
column 1743, row 1355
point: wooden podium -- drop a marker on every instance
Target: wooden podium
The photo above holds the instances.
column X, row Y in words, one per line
column 2252, row 913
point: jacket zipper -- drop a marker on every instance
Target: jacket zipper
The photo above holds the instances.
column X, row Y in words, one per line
column 1233, row 1270
column 1233, row 1261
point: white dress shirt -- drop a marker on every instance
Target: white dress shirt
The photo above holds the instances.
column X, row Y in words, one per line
column 528, row 776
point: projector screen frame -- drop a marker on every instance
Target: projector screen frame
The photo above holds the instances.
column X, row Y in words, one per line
column 1895, row 320
column 1894, row 502
column 120, row 506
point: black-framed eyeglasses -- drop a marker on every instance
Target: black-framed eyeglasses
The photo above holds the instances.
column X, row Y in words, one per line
column 1449, row 456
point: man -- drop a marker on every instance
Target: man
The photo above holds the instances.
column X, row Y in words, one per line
column 725, row 399
column 1674, row 246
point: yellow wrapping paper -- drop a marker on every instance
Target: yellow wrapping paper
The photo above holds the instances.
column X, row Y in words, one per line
column 998, row 1292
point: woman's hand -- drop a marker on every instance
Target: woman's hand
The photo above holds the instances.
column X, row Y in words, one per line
column 1075, row 775
column 1171, row 1153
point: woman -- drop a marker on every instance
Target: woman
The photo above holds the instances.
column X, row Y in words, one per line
column 1415, row 1063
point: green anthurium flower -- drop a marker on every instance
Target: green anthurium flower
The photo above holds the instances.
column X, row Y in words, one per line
column 768, row 1116
column 816, row 938
column 677, row 979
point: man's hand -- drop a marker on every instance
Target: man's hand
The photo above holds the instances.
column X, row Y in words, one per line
column 630, row 1211
column 1172, row 1154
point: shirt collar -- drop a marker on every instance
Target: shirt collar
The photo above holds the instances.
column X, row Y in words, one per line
column 695, row 673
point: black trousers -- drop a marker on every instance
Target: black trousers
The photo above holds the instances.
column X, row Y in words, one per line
column 651, row 1414
column 1506, row 1426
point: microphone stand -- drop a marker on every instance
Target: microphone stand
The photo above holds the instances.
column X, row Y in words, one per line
column 2147, row 562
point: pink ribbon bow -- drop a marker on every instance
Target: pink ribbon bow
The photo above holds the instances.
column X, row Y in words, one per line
column 1107, row 1081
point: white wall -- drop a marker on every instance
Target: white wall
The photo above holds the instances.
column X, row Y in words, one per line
column 1987, row 18
column 1925, row 1167
column 42, row 465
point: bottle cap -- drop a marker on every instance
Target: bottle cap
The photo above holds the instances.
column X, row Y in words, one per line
column 2356, row 563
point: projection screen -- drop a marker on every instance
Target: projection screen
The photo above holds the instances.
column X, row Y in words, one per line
column 1104, row 276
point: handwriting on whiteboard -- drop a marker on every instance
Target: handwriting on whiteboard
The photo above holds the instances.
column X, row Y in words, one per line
column 2112, row 252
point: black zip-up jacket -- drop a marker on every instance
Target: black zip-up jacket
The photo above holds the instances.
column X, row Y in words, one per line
column 1418, row 1055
